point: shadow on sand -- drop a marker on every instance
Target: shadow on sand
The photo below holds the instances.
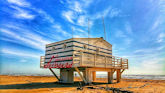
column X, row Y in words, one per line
column 42, row 85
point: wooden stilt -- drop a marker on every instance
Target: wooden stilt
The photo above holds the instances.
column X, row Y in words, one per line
column 84, row 74
column 94, row 75
column 110, row 77
column 118, row 73
column 54, row 74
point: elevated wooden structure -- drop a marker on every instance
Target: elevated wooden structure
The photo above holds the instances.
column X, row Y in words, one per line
column 86, row 55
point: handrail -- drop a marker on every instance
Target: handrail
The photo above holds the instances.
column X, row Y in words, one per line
column 95, row 60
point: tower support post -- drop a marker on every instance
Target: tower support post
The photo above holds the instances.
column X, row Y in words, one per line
column 94, row 75
column 118, row 75
column 110, row 77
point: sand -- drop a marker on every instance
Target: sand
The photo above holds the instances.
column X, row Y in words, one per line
column 46, row 84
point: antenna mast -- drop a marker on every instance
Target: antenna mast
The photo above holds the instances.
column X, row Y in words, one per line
column 88, row 31
column 104, row 28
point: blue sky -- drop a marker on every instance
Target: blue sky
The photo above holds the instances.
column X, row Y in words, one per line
column 135, row 28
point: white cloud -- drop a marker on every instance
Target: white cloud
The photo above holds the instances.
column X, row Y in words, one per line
column 161, row 37
column 76, row 13
column 114, row 12
column 108, row 12
column 156, row 23
column 22, row 14
column 76, row 6
column 103, row 13
column 148, row 50
column 153, row 65
column 47, row 16
column 19, row 53
column 69, row 16
column 22, row 3
column 82, row 21
column 77, row 29
column 30, row 39
column 59, row 29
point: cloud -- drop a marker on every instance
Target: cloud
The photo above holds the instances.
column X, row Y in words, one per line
column 69, row 16
column 161, row 38
column 25, row 14
column 76, row 6
column 19, row 53
column 22, row 3
column 156, row 23
column 59, row 29
column 149, row 50
column 114, row 12
column 30, row 39
column 22, row 14
column 153, row 65
column 108, row 12
column 82, row 21
column 76, row 12
column 77, row 29
column 103, row 13
column 45, row 15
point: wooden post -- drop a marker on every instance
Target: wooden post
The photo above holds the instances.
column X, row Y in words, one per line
column 94, row 75
column 88, row 75
column 118, row 75
column 105, row 61
column 84, row 74
column 110, row 77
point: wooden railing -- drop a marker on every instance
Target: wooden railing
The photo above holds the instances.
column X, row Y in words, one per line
column 84, row 58
column 42, row 61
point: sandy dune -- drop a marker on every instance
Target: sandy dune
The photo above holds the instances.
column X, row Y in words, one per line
column 43, row 84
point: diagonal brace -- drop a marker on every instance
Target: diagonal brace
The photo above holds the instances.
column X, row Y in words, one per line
column 54, row 74
column 80, row 75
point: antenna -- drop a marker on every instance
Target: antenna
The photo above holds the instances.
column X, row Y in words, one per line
column 88, row 32
column 104, row 28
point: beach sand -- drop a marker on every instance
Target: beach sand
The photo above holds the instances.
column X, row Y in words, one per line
column 46, row 84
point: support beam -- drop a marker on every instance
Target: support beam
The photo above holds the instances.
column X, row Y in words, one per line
column 122, row 71
column 94, row 75
column 110, row 77
column 54, row 74
column 118, row 75
column 84, row 74
column 80, row 75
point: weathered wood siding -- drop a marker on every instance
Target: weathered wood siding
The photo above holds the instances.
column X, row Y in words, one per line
column 94, row 52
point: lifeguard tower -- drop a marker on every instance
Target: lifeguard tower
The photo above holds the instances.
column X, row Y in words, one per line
column 84, row 55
